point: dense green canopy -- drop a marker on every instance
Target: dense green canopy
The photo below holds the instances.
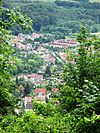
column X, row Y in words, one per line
column 60, row 16
column 77, row 107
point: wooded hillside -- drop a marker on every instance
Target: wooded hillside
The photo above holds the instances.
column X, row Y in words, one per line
column 61, row 16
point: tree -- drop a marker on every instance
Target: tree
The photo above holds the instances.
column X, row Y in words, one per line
column 80, row 96
column 27, row 88
column 85, row 1
column 16, row 80
column 46, row 110
column 8, row 18
column 47, row 71
column 86, row 63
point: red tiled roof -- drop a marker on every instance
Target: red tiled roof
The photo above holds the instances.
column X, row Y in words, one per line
column 33, row 34
column 42, row 90
column 71, row 61
column 43, row 45
column 34, row 76
column 58, row 44
column 55, row 90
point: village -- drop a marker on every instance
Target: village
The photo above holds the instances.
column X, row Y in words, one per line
column 52, row 53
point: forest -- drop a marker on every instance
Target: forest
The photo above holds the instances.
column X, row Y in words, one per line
column 76, row 109
column 64, row 17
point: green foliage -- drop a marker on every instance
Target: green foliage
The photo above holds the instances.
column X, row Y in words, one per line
column 69, row 98
column 81, row 94
column 29, row 63
column 30, row 122
column 54, row 48
column 62, row 17
column 47, row 72
column 79, row 100
column 24, row 87
column 44, row 109
column 8, row 18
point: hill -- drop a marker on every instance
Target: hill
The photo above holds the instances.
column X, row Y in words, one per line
column 94, row 0
column 60, row 17
column 48, row 0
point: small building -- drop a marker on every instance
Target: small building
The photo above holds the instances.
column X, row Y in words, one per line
column 63, row 56
column 40, row 94
column 36, row 79
column 54, row 93
column 49, row 59
column 28, row 103
column 55, row 90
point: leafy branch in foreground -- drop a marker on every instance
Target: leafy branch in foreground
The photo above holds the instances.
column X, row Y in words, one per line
column 81, row 94
column 7, row 19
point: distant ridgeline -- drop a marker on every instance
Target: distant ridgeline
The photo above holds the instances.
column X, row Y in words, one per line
column 25, row 1
column 83, row 1
column 79, row 3
column 59, row 17
column 18, row 0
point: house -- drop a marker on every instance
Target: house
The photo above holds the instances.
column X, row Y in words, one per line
column 53, row 93
column 41, row 49
column 36, row 79
column 28, row 46
column 40, row 94
column 70, row 61
column 58, row 45
column 55, row 90
column 35, row 35
column 19, row 45
column 28, row 103
column 48, row 58
column 63, row 43
column 63, row 56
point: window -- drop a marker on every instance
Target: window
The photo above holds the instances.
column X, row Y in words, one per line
column 39, row 95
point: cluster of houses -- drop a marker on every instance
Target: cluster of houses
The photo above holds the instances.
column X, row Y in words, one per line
column 20, row 42
column 64, row 43
column 34, row 78
column 49, row 57
column 46, row 55
column 40, row 94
